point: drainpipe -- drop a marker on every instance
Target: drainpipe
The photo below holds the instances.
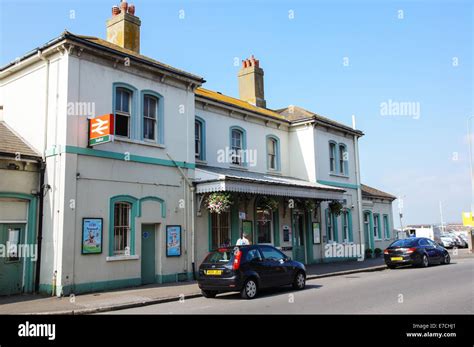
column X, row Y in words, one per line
column 191, row 188
column 40, row 224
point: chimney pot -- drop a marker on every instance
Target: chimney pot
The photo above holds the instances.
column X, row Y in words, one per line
column 131, row 9
column 115, row 10
column 124, row 6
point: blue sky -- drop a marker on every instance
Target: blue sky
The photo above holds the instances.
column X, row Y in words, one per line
column 426, row 58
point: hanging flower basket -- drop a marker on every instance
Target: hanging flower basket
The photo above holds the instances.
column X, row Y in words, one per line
column 218, row 202
column 336, row 208
column 268, row 203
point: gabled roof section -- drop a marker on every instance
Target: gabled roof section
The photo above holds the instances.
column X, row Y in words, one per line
column 298, row 114
column 230, row 101
column 370, row 192
column 11, row 143
column 104, row 45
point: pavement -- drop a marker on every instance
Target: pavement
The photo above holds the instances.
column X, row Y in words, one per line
column 439, row 290
column 159, row 293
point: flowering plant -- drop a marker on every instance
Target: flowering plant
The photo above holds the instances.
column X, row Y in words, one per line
column 335, row 207
column 268, row 203
column 219, row 202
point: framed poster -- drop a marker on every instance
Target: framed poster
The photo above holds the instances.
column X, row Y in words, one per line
column 91, row 236
column 173, row 240
column 316, row 233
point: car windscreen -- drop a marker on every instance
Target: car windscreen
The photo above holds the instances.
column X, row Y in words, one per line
column 405, row 243
column 221, row 256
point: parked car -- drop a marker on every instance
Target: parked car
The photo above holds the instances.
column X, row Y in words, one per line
column 247, row 269
column 446, row 242
column 418, row 251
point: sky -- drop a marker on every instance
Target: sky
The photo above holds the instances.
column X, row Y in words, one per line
column 403, row 68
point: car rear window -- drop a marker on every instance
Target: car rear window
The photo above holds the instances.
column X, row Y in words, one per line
column 404, row 243
column 220, row 256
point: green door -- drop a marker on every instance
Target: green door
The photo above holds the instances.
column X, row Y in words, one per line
column 148, row 253
column 298, row 237
column 11, row 266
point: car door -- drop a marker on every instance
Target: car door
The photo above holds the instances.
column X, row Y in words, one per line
column 430, row 250
column 254, row 262
column 274, row 262
column 439, row 251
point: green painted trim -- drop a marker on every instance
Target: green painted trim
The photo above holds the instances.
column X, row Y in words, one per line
column 115, row 155
column 244, row 141
column 153, row 198
column 293, row 231
column 339, row 184
column 278, row 155
column 371, row 229
column 386, row 226
column 30, row 234
column 276, row 228
column 159, row 114
column 335, row 227
column 134, row 108
column 203, row 137
column 349, row 220
column 135, row 212
column 234, row 224
column 309, row 238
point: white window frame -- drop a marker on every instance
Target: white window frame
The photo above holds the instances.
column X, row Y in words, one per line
column 154, row 120
column 122, row 113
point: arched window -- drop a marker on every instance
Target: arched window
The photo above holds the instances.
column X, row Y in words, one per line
column 237, row 145
column 123, row 112
column 264, row 222
column 152, row 118
column 150, row 115
column 122, row 227
column 343, row 160
column 332, row 156
column 200, row 138
column 273, row 153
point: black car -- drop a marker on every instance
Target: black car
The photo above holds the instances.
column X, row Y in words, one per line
column 419, row 251
column 247, row 269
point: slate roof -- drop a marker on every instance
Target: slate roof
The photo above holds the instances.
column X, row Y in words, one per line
column 12, row 143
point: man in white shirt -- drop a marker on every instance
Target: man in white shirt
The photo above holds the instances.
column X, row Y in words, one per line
column 243, row 241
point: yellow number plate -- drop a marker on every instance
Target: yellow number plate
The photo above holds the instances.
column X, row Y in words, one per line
column 214, row 272
column 396, row 258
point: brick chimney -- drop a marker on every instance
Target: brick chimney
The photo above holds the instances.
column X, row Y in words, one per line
column 251, row 82
column 123, row 29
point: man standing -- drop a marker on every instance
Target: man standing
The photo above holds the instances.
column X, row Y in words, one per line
column 243, row 241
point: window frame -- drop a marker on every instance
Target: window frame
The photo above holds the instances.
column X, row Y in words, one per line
column 343, row 168
column 127, row 242
column 243, row 144
column 202, row 146
column 270, row 221
column 376, row 230
column 332, row 156
column 159, row 122
column 277, row 155
column 147, row 117
column 121, row 113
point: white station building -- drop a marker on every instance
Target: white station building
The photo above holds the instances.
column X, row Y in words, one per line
column 123, row 199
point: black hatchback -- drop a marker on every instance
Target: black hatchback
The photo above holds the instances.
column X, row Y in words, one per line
column 419, row 251
column 247, row 269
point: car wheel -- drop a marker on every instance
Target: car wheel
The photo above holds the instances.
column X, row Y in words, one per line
column 446, row 259
column 250, row 289
column 300, row 281
column 392, row 267
column 209, row 293
column 424, row 261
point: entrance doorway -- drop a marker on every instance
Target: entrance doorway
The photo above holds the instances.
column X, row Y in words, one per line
column 298, row 237
column 11, row 266
column 148, row 256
